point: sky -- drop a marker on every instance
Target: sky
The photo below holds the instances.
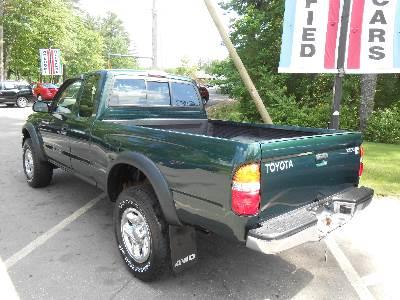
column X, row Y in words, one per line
column 184, row 26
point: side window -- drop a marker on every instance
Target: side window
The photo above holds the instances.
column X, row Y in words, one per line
column 68, row 98
column 184, row 94
column 128, row 91
column 158, row 93
column 9, row 86
column 89, row 95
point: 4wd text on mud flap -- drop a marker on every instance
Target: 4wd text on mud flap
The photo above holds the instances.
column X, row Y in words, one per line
column 185, row 260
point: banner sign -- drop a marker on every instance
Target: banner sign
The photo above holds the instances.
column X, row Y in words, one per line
column 311, row 33
column 50, row 61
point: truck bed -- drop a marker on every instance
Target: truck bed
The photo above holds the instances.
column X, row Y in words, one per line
column 242, row 132
column 298, row 165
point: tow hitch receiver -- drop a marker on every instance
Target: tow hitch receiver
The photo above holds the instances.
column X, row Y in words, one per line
column 309, row 223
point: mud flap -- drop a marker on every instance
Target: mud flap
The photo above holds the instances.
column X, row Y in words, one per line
column 182, row 241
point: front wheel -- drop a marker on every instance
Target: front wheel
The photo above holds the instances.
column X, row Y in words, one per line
column 141, row 233
column 38, row 173
column 22, row 102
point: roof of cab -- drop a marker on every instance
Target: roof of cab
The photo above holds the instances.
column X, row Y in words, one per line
column 147, row 73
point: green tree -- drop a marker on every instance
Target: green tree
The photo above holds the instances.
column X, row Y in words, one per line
column 256, row 34
column 185, row 69
column 84, row 41
column 116, row 40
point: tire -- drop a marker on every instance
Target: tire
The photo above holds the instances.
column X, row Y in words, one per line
column 138, row 212
column 38, row 173
column 22, row 102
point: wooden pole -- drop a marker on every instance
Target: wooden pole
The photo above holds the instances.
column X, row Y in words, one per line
column 239, row 64
column 155, row 35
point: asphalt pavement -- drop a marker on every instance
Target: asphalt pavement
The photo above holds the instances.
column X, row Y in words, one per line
column 58, row 243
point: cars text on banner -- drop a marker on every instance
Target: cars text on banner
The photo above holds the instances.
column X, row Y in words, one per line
column 311, row 34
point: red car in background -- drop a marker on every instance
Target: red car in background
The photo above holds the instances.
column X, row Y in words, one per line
column 45, row 91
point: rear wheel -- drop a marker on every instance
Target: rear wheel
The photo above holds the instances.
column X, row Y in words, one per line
column 22, row 102
column 38, row 173
column 141, row 232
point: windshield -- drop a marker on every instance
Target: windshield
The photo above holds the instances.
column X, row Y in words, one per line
column 129, row 91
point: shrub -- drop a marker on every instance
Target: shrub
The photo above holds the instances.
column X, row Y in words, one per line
column 384, row 126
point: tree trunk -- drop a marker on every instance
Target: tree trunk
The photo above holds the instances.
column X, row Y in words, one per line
column 368, row 88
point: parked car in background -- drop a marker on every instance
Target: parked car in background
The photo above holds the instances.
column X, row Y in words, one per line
column 205, row 95
column 45, row 91
column 16, row 93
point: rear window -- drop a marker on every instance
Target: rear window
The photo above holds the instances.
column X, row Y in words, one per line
column 50, row 86
column 128, row 91
column 158, row 93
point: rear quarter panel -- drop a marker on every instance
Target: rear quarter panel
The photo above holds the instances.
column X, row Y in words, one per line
column 198, row 170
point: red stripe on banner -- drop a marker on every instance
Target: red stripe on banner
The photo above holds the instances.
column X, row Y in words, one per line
column 354, row 51
column 52, row 60
column 332, row 34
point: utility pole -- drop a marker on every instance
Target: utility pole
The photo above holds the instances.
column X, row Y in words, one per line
column 338, row 87
column 155, row 36
column 238, row 63
column 1, row 41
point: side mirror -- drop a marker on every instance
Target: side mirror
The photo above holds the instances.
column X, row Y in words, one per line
column 40, row 106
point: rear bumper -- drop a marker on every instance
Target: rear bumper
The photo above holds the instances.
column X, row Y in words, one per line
column 310, row 223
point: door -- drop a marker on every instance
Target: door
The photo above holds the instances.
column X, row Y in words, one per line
column 2, row 97
column 79, row 127
column 9, row 92
column 54, row 127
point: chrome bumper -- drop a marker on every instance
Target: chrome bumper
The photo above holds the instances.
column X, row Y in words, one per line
column 310, row 223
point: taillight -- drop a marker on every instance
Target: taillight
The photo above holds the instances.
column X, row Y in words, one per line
column 361, row 169
column 246, row 197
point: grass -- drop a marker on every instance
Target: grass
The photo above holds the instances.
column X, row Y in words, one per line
column 382, row 168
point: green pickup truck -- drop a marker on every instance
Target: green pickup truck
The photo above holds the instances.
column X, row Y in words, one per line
column 144, row 138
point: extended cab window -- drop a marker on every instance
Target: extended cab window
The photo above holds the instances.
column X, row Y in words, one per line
column 184, row 94
column 128, row 91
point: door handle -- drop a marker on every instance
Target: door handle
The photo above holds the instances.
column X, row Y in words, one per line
column 321, row 159
column 64, row 130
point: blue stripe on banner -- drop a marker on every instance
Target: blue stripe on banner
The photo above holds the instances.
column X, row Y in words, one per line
column 396, row 45
column 288, row 31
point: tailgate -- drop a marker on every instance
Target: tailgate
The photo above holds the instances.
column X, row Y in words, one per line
column 296, row 172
